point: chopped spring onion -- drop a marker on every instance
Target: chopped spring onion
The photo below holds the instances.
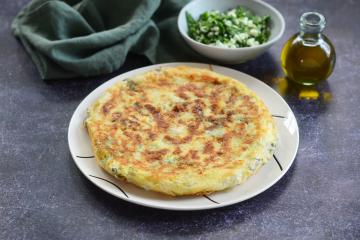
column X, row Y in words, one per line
column 235, row 28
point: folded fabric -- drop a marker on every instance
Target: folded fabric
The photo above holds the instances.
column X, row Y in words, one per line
column 72, row 38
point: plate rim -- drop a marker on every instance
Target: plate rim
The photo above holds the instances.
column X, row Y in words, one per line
column 187, row 208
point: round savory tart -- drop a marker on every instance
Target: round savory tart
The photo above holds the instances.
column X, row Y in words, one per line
column 181, row 131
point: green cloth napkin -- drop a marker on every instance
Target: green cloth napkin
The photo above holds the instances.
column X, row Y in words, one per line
column 72, row 38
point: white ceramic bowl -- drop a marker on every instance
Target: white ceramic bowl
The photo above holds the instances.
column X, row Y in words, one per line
column 231, row 55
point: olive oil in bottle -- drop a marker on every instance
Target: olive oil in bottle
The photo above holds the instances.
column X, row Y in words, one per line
column 308, row 57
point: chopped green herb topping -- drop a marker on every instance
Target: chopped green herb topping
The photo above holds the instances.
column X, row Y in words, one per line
column 132, row 85
column 235, row 28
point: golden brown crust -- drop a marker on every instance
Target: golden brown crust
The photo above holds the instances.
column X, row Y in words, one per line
column 181, row 131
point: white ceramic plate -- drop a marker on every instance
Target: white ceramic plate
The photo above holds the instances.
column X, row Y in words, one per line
column 268, row 175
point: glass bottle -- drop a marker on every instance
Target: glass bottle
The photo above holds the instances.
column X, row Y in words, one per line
column 308, row 57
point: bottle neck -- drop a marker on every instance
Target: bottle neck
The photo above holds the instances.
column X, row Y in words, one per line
column 311, row 26
column 310, row 37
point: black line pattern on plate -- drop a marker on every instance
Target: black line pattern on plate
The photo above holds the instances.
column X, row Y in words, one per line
column 278, row 163
column 210, row 67
column 278, row 116
column 208, row 198
column 85, row 156
column 111, row 184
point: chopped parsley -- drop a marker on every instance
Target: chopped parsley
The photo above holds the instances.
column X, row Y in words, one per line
column 132, row 85
column 235, row 28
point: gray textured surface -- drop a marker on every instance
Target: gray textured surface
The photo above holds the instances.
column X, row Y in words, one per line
column 44, row 196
